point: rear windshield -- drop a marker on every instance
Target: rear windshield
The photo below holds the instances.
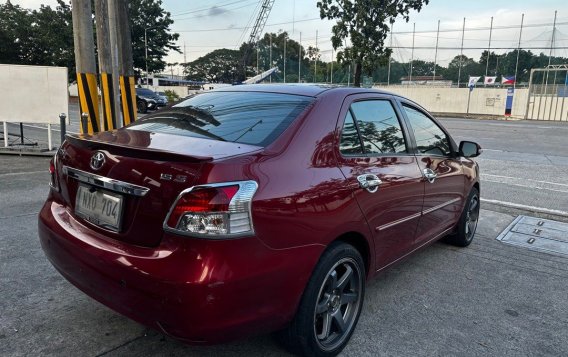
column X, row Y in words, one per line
column 244, row 117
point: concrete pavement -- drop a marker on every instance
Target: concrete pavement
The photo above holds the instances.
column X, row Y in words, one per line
column 488, row 299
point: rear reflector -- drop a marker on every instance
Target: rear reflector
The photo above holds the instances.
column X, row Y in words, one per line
column 53, row 180
column 221, row 210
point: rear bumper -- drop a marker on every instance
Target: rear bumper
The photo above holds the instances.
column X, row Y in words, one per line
column 200, row 291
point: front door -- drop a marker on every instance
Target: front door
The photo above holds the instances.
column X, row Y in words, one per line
column 442, row 175
column 385, row 177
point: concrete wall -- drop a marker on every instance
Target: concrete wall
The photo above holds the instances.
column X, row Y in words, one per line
column 483, row 101
column 33, row 94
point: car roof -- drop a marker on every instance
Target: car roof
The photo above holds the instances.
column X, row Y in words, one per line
column 312, row 90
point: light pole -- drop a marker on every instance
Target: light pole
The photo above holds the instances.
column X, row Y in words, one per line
column 146, row 51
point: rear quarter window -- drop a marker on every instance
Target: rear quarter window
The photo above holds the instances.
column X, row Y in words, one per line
column 253, row 118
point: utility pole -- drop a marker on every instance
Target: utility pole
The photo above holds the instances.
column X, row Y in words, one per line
column 331, row 70
column 105, row 65
column 390, row 56
column 300, row 60
column 461, row 53
column 436, row 52
column 518, row 51
column 489, row 48
column 285, row 40
column 412, row 55
column 84, row 45
column 125, row 63
column 114, row 53
column 316, row 65
column 270, row 66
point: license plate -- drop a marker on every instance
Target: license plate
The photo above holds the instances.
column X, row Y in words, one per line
column 99, row 207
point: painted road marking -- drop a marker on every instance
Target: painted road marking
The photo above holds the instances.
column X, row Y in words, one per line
column 526, row 207
column 25, row 173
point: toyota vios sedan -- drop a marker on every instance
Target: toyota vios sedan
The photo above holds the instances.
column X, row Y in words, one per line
column 256, row 208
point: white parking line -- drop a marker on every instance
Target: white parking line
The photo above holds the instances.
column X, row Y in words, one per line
column 526, row 179
column 24, row 173
column 526, row 207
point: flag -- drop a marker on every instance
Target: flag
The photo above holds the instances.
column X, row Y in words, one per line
column 508, row 80
column 489, row 80
column 472, row 81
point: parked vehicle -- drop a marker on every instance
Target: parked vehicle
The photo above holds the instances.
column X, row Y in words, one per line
column 144, row 104
column 256, row 208
column 163, row 97
column 149, row 94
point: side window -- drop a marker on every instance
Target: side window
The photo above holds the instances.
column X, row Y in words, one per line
column 430, row 139
column 379, row 127
column 350, row 143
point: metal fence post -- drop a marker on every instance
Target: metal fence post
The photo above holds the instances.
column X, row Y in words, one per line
column 63, row 128
column 84, row 118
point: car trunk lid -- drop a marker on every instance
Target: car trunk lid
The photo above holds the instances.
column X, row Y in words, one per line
column 143, row 170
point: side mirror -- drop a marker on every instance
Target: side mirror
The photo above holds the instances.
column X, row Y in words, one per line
column 470, row 149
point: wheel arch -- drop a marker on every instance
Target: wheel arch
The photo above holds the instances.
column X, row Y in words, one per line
column 360, row 243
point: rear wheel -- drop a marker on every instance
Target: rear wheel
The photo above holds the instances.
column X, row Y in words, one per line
column 467, row 224
column 330, row 306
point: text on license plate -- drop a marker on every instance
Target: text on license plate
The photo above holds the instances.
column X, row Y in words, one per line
column 101, row 208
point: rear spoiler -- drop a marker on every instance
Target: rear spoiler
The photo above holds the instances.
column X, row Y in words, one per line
column 88, row 142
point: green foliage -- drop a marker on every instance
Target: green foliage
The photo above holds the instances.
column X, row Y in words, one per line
column 45, row 36
column 366, row 23
column 150, row 16
column 172, row 96
column 219, row 66
column 36, row 37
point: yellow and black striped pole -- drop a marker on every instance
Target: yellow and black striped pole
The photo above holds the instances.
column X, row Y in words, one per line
column 126, row 64
column 107, row 70
column 85, row 62
column 89, row 101
column 107, row 91
column 128, row 95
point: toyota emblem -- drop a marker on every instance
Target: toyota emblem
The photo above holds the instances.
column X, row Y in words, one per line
column 97, row 160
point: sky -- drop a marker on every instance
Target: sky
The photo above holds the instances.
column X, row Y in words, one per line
column 207, row 25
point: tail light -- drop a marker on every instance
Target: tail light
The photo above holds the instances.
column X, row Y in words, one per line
column 53, row 180
column 221, row 210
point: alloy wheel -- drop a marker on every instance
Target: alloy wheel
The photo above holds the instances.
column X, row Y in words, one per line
column 338, row 304
column 472, row 216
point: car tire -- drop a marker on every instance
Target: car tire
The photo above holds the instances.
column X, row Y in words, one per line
column 330, row 306
column 465, row 229
column 142, row 107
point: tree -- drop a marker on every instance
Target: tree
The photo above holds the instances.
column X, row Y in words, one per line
column 147, row 17
column 219, row 66
column 367, row 24
column 53, row 36
column 15, row 34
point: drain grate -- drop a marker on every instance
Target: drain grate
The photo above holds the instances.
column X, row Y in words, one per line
column 537, row 234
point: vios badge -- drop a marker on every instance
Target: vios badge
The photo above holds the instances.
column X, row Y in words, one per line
column 97, row 160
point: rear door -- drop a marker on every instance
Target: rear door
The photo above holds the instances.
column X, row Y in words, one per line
column 386, row 181
column 442, row 173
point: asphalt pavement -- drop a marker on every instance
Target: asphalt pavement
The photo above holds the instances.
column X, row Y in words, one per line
column 490, row 299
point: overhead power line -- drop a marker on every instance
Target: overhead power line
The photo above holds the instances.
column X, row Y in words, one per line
column 248, row 27
column 206, row 8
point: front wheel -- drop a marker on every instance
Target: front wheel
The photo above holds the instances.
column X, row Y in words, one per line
column 142, row 107
column 331, row 304
column 467, row 224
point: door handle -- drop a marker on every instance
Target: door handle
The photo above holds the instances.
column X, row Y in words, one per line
column 429, row 175
column 369, row 182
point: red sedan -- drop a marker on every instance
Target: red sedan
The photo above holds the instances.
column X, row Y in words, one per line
column 256, row 208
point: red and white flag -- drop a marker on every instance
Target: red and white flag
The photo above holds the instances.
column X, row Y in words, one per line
column 489, row 80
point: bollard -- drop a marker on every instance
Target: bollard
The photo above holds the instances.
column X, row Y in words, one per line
column 84, row 125
column 62, row 118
